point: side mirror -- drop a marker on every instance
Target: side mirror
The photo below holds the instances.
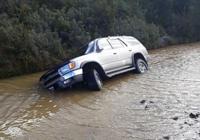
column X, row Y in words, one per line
column 100, row 49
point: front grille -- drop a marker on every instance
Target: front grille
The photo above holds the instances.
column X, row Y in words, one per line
column 49, row 73
column 50, row 78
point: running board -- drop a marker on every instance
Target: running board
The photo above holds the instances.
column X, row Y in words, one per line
column 120, row 72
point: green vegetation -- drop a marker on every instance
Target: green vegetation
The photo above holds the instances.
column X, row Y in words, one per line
column 36, row 34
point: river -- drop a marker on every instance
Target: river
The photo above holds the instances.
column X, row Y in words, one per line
column 164, row 104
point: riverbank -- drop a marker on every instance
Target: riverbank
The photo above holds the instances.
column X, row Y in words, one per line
column 35, row 35
column 13, row 75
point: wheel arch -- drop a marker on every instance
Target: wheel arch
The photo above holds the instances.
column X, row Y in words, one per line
column 86, row 66
column 138, row 55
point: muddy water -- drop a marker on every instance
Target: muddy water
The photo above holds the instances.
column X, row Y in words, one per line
column 156, row 105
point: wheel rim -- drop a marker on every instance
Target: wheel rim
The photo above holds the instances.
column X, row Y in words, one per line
column 98, row 79
column 142, row 66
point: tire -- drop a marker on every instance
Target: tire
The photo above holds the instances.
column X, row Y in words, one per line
column 141, row 66
column 93, row 80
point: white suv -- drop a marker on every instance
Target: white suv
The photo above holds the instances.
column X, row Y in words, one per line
column 103, row 58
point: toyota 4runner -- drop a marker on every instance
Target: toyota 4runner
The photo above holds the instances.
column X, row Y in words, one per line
column 103, row 58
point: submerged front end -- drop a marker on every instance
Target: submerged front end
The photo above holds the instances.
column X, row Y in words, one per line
column 62, row 77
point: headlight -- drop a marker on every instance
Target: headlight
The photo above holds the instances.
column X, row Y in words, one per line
column 72, row 65
column 67, row 68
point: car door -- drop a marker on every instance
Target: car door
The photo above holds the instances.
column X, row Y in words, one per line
column 106, row 55
column 123, row 53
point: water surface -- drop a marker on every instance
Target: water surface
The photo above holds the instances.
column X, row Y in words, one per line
column 156, row 105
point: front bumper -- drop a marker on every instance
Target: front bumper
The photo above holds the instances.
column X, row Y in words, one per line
column 71, row 78
column 64, row 81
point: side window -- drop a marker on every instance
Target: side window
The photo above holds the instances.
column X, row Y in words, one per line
column 116, row 43
column 103, row 43
column 132, row 42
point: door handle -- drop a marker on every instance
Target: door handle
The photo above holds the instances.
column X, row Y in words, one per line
column 130, row 50
column 114, row 53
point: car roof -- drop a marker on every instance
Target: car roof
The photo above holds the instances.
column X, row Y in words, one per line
column 117, row 37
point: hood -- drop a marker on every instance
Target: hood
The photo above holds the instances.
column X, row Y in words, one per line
column 84, row 58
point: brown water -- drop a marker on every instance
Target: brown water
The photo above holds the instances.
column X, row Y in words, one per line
column 155, row 105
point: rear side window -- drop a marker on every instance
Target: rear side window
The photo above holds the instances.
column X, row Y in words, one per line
column 132, row 42
column 103, row 43
column 116, row 43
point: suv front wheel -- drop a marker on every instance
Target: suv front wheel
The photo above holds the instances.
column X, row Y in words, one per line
column 93, row 80
column 141, row 66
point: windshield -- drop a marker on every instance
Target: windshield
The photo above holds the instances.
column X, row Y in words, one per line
column 90, row 48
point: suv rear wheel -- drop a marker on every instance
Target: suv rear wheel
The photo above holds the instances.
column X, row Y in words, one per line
column 141, row 66
column 93, row 80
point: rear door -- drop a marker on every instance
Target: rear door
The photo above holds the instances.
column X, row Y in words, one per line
column 123, row 53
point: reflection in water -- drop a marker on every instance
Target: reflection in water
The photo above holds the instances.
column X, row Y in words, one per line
column 169, row 93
